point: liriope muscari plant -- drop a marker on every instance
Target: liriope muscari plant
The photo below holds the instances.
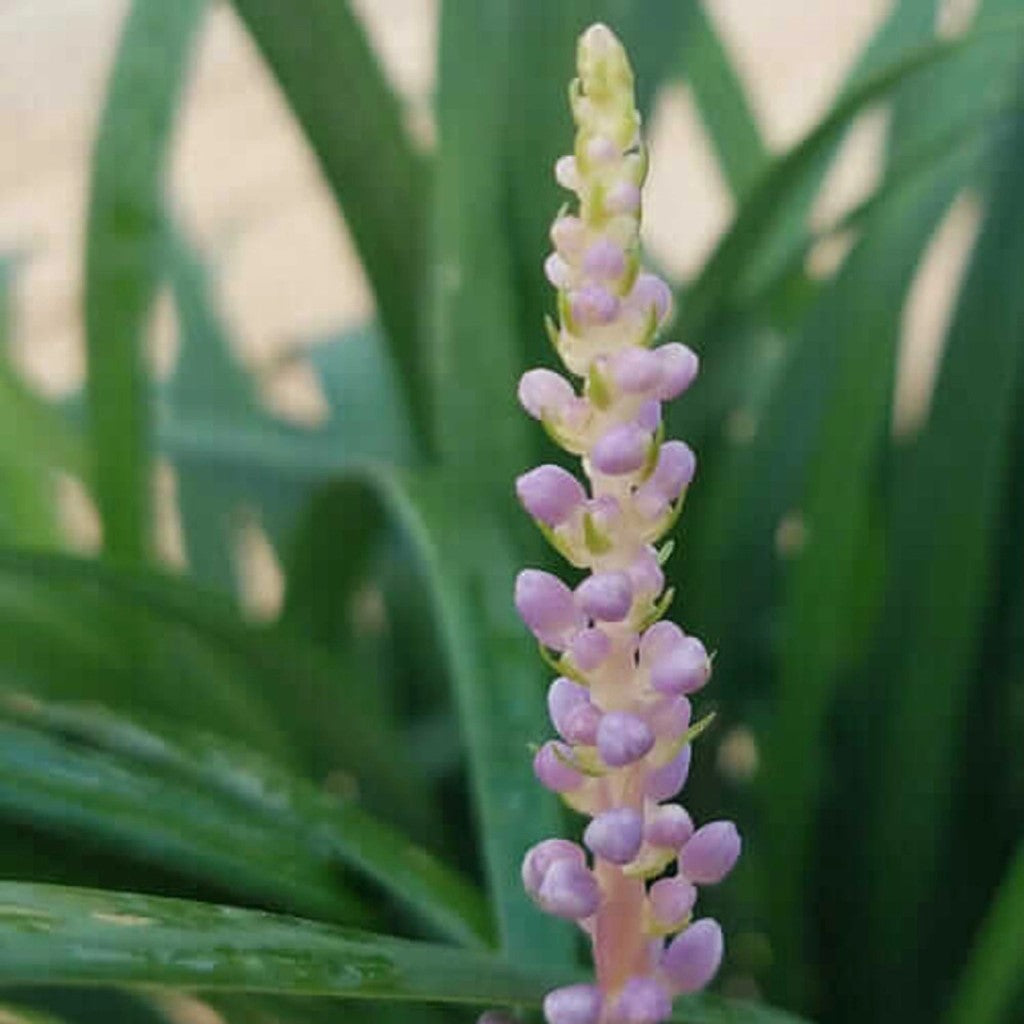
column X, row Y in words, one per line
column 620, row 702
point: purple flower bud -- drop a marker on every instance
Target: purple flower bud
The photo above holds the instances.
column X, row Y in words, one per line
column 602, row 150
column 648, row 416
column 672, row 472
column 710, row 853
column 544, row 393
column 646, row 574
column 589, row 648
column 605, row 596
column 615, row 835
column 623, row 197
column 557, row 271
column 636, row 370
column 671, row 900
column 550, row 494
column 592, row 305
column 574, row 1004
column 569, row 890
column 658, row 640
column 604, row 260
column 671, row 717
column 546, row 605
column 692, row 958
column 572, row 713
column 567, row 234
column 683, row 669
column 642, row 1001
column 649, row 290
column 623, row 738
column 622, row 449
column 539, row 859
column 664, row 782
column 551, row 769
column 678, row 366
column 566, row 173
column 668, row 826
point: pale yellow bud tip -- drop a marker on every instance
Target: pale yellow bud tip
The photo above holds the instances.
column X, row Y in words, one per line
column 602, row 59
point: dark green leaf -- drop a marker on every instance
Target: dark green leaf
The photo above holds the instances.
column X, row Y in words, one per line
column 81, row 936
column 337, row 90
column 122, row 258
column 994, row 973
column 322, row 830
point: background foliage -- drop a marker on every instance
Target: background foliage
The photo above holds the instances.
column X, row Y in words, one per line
column 367, row 774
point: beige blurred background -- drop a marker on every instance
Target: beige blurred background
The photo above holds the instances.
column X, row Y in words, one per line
column 249, row 191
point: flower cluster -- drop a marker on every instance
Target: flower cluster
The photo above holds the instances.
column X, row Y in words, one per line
column 620, row 702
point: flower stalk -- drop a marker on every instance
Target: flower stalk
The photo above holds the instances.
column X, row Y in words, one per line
column 620, row 703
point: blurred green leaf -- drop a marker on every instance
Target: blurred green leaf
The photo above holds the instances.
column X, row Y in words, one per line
column 940, row 565
column 231, row 454
column 122, row 259
column 327, row 70
column 994, row 973
column 723, row 105
column 323, row 830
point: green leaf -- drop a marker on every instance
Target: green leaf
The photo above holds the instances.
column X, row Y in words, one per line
column 322, row 830
column 232, row 455
column 499, row 692
column 83, row 936
column 337, row 90
column 860, row 318
column 122, row 259
column 90, row 797
column 59, row 935
column 725, row 276
column 724, row 107
column 940, row 567
column 994, row 973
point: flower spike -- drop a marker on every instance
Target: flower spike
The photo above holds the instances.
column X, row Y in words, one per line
column 620, row 703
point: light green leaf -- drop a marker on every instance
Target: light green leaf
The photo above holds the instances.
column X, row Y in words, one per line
column 323, row 61
column 122, row 259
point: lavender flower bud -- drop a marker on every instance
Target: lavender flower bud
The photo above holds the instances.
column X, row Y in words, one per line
column 664, row 782
column 692, row 958
column 605, row 596
column 569, row 890
column 683, row 669
column 659, row 639
column 642, row 1001
column 553, row 770
column 544, row 393
column 671, row 900
column 589, row 648
column 557, row 271
column 539, row 859
column 673, row 471
column 636, row 370
column 567, row 235
column 574, row 1004
column 593, row 305
column 622, row 449
column 550, row 494
column 711, row 853
column 650, row 291
column 623, row 738
column 604, row 260
column 669, row 825
column 623, row 197
column 615, row 835
column 602, row 150
column 567, row 174
column 547, row 607
column 677, row 367
column 572, row 714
